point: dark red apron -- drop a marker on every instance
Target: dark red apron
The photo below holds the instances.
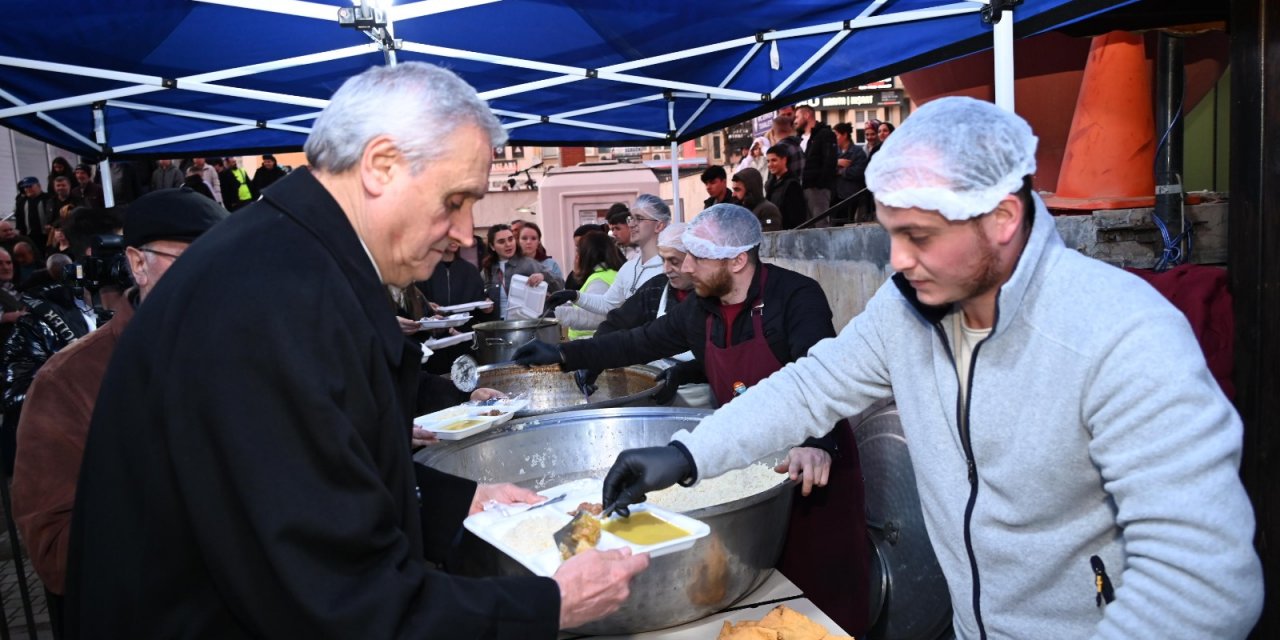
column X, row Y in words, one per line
column 826, row 550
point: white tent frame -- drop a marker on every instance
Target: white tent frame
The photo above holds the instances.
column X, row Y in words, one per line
column 669, row 90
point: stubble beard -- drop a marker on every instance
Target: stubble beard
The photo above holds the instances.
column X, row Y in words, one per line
column 987, row 274
column 718, row 286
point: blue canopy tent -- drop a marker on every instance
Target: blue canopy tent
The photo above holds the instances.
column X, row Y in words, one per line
column 165, row 78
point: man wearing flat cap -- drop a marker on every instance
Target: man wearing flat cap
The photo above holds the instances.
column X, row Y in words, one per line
column 158, row 227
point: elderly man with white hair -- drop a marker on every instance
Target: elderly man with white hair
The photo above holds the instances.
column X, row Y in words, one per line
column 746, row 319
column 1076, row 461
column 247, row 472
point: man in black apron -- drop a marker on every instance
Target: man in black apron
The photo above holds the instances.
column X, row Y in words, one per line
column 747, row 320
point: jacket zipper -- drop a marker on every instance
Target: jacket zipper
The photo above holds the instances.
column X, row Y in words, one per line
column 962, row 423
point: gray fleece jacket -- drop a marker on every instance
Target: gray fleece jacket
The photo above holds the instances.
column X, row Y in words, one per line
column 1095, row 429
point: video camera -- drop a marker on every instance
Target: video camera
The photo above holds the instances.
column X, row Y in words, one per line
column 104, row 267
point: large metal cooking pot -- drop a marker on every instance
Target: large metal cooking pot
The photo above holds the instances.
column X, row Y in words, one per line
column 551, row 390
column 497, row 341
column 909, row 596
column 746, row 535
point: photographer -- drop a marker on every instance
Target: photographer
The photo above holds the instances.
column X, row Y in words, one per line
column 51, row 434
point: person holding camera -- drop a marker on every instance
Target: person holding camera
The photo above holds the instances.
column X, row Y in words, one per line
column 158, row 227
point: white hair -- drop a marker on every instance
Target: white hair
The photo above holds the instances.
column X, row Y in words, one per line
column 414, row 103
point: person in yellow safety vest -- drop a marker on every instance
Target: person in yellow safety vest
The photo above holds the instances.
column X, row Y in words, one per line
column 598, row 262
column 236, row 188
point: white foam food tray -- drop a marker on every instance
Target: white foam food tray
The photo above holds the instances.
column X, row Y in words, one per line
column 526, row 536
column 455, row 320
column 449, row 341
column 465, row 306
column 445, row 423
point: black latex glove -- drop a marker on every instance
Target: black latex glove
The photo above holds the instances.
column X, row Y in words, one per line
column 536, row 352
column 639, row 471
column 560, row 297
column 672, row 377
column 586, row 380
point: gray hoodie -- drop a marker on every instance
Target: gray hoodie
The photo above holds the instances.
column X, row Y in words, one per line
column 1095, row 430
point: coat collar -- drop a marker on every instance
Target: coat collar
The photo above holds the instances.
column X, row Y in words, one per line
column 1042, row 246
column 302, row 198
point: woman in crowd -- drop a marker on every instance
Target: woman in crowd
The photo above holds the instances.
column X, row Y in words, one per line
column 598, row 262
column 58, row 242
column 531, row 245
column 503, row 262
column 60, row 167
column 871, row 131
column 882, row 134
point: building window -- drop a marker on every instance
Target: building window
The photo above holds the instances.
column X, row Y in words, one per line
column 517, row 152
column 715, row 148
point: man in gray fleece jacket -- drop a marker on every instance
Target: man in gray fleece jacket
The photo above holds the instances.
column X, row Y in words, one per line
column 1076, row 461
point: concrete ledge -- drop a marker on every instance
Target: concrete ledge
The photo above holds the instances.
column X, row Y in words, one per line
column 852, row 262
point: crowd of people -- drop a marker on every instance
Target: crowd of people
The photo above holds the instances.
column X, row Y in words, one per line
column 800, row 168
column 219, row 444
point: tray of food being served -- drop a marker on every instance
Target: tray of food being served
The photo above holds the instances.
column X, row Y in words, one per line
column 467, row 419
column 528, row 535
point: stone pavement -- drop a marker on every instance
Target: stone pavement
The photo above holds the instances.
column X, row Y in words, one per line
column 15, row 620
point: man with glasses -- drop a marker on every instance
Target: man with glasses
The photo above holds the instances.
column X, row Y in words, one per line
column 647, row 218
column 745, row 322
column 55, row 420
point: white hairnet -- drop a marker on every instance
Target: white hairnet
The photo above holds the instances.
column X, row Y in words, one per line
column 957, row 156
column 670, row 237
column 651, row 206
column 722, row 231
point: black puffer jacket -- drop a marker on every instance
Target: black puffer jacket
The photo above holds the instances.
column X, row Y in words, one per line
column 54, row 321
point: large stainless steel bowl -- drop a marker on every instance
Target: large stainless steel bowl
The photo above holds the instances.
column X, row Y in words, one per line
column 551, row 390
column 746, row 535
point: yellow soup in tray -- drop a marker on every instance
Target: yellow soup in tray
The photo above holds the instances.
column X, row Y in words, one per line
column 460, row 425
column 644, row 528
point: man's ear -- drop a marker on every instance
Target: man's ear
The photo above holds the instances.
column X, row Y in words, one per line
column 137, row 262
column 739, row 262
column 379, row 164
column 1007, row 218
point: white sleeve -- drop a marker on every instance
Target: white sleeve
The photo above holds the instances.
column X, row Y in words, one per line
column 575, row 317
column 603, row 303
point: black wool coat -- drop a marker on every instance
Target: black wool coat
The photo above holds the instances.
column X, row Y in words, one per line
column 247, row 472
